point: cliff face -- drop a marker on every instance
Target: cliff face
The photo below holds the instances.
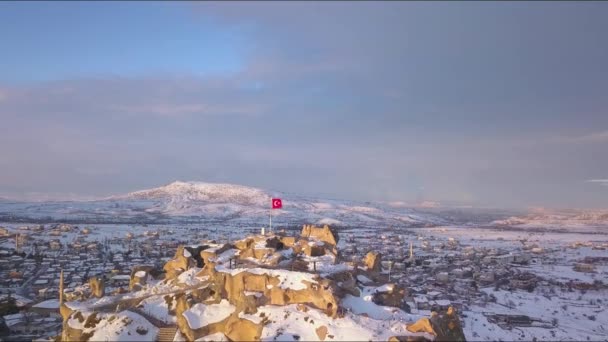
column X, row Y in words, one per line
column 261, row 287
column 325, row 234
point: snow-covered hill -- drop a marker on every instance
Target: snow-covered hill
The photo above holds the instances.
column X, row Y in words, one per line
column 216, row 202
column 199, row 192
column 240, row 205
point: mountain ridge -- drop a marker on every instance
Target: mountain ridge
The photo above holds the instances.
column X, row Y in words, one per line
column 196, row 201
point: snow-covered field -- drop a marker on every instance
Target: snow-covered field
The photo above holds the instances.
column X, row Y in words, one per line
column 577, row 317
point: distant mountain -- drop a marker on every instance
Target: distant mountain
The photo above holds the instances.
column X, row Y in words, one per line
column 239, row 205
column 203, row 193
column 217, row 202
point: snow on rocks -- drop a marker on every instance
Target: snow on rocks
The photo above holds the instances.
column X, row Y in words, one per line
column 287, row 323
column 200, row 315
column 189, row 277
column 123, row 326
column 217, row 337
column 287, row 279
column 157, row 307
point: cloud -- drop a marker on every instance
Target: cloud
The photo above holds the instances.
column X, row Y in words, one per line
column 169, row 97
column 372, row 101
column 183, row 109
column 596, row 137
column 47, row 196
column 601, row 136
column 603, row 182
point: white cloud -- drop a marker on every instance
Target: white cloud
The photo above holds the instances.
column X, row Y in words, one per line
column 595, row 137
column 603, row 182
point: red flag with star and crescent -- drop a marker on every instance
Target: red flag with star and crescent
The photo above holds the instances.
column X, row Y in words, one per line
column 277, row 203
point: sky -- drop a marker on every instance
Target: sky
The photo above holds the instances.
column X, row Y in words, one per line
column 492, row 104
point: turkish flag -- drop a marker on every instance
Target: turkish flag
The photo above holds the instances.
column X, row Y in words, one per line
column 276, row 203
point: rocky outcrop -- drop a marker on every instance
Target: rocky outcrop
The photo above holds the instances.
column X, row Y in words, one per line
column 390, row 295
column 212, row 253
column 447, row 326
column 138, row 281
column 321, row 332
column 182, row 261
column 346, row 283
column 314, row 248
column 75, row 295
column 265, row 250
column 288, row 241
column 320, row 295
column 244, row 243
column 97, row 287
column 275, row 243
column 323, row 234
column 444, row 326
column 235, row 328
column 139, row 276
column 373, row 262
column 271, row 270
column 83, row 320
column 65, row 311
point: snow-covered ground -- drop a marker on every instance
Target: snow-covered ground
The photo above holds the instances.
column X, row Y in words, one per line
column 201, row 315
column 289, row 324
column 122, row 326
column 568, row 316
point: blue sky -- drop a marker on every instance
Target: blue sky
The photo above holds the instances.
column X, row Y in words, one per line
column 51, row 41
column 485, row 103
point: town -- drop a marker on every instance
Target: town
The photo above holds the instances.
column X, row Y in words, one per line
column 508, row 285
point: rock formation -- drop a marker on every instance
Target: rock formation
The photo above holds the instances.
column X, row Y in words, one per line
column 182, row 261
column 444, row 326
column 212, row 252
column 139, row 277
column 390, row 295
column 228, row 291
column 97, row 287
column 324, row 234
column 318, row 294
column 373, row 261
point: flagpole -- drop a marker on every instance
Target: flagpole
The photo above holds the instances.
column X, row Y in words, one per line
column 270, row 216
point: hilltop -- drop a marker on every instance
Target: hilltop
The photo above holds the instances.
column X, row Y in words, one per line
column 262, row 287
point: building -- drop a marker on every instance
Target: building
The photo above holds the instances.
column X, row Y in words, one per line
column 583, row 267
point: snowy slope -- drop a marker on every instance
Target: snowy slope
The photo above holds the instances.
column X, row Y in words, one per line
column 246, row 206
column 198, row 201
column 199, row 192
